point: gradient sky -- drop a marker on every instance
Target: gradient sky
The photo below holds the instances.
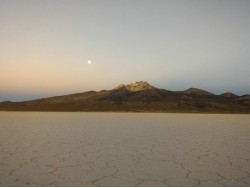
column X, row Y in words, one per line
column 172, row 44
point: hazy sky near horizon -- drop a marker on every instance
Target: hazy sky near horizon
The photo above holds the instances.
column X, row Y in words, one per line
column 172, row 44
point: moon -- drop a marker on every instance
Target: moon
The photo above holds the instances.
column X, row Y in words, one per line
column 89, row 62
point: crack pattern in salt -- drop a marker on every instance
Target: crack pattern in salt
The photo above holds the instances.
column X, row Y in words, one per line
column 124, row 149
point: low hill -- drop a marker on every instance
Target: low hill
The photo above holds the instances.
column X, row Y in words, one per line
column 229, row 95
column 195, row 91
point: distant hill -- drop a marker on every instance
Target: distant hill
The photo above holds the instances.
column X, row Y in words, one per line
column 195, row 91
column 228, row 94
column 138, row 97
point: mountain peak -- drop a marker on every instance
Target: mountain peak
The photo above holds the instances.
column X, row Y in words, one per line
column 137, row 86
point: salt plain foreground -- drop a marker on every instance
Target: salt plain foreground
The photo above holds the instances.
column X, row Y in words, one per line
column 124, row 149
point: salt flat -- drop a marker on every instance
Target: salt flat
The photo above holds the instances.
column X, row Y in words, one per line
column 124, row 149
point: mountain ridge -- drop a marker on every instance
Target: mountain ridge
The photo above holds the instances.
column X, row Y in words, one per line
column 138, row 97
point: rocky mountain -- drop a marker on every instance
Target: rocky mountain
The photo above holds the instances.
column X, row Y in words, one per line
column 137, row 86
column 139, row 97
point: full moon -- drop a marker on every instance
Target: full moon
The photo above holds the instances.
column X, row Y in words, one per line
column 89, row 62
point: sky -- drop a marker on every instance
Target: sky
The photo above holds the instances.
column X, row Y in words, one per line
column 45, row 45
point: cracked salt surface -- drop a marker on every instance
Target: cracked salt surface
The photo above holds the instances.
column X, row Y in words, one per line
column 124, row 149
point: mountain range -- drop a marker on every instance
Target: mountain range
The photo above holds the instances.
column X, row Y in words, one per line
column 138, row 97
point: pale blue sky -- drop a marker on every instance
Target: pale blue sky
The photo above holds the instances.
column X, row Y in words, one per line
column 45, row 45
